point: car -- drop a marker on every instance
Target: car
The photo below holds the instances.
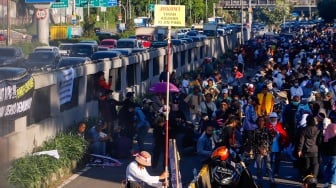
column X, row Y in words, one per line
column 110, row 43
column 159, row 44
column 128, row 43
column 11, row 56
column 83, row 49
column 41, row 61
column 105, row 54
column 123, row 51
column 106, row 35
column 3, row 37
column 177, row 42
column 64, row 49
column 48, row 49
column 9, row 73
column 89, row 41
column 187, row 40
column 72, row 61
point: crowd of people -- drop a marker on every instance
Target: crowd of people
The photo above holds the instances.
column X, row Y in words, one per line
column 283, row 108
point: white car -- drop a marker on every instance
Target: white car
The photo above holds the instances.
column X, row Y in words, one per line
column 48, row 49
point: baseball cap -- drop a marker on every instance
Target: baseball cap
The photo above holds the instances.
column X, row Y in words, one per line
column 273, row 115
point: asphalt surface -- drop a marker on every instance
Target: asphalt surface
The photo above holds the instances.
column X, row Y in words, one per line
column 98, row 177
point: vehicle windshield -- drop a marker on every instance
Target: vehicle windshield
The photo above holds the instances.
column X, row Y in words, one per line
column 107, row 43
column 7, row 52
column 83, row 50
column 125, row 44
column 45, row 58
column 65, row 47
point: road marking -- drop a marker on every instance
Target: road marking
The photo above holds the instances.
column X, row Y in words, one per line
column 71, row 178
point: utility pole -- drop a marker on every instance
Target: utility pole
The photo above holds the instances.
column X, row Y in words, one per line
column 242, row 23
column 9, row 38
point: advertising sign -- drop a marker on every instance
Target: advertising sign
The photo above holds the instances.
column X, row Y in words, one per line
column 169, row 15
column 16, row 97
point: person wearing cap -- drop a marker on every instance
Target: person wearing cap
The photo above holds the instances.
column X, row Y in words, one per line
column 224, row 95
column 280, row 139
column 309, row 181
column 137, row 175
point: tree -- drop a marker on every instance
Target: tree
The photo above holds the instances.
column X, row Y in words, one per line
column 274, row 16
column 326, row 9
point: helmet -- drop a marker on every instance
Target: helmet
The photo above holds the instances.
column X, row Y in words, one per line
column 221, row 153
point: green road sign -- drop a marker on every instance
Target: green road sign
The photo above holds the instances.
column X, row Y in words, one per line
column 60, row 4
column 81, row 3
column 151, row 7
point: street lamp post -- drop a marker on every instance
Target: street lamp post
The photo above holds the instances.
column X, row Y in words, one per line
column 121, row 5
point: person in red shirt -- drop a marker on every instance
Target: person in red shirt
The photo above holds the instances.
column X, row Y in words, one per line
column 102, row 82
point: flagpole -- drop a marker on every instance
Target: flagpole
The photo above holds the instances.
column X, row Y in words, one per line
column 167, row 104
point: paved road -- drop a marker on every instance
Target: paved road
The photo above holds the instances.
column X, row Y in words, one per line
column 98, row 177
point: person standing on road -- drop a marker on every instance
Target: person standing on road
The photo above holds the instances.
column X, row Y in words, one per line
column 262, row 142
column 308, row 146
column 137, row 175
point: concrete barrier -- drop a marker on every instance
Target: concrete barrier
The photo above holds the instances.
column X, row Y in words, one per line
column 134, row 73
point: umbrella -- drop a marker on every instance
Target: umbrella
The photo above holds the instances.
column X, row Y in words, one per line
column 161, row 87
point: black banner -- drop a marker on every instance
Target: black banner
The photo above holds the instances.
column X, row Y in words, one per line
column 16, row 97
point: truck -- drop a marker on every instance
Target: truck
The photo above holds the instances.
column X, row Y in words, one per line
column 210, row 29
column 148, row 34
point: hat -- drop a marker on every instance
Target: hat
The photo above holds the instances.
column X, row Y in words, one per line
column 143, row 158
column 146, row 101
column 309, row 180
column 129, row 94
column 273, row 115
column 225, row 91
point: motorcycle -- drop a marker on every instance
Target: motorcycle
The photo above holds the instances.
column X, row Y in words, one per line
column 228, row 170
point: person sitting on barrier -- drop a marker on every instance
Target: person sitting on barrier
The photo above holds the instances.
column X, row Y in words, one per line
column 97, row 139
column 137, row 175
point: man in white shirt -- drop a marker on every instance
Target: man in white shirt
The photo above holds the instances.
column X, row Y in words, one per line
column 137, row 175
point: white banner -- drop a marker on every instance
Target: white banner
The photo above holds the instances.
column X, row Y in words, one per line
column 66, row 85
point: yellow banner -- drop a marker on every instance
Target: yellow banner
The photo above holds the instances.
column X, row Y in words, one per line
column 169, row 15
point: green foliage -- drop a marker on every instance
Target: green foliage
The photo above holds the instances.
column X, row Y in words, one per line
column 88, row 26
column 27, row 47
column 274, row 16
column 34, row 170
column 326, row 9
column 127, row 33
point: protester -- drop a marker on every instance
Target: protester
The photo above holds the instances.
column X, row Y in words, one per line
column 308, row 146
column 266, row 102
column 205, row 143
column 137, row 175
column 280, row 138
column 262, row 141
column 97, row 139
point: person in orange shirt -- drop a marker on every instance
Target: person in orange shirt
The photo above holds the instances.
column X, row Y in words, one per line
column 266, row 102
